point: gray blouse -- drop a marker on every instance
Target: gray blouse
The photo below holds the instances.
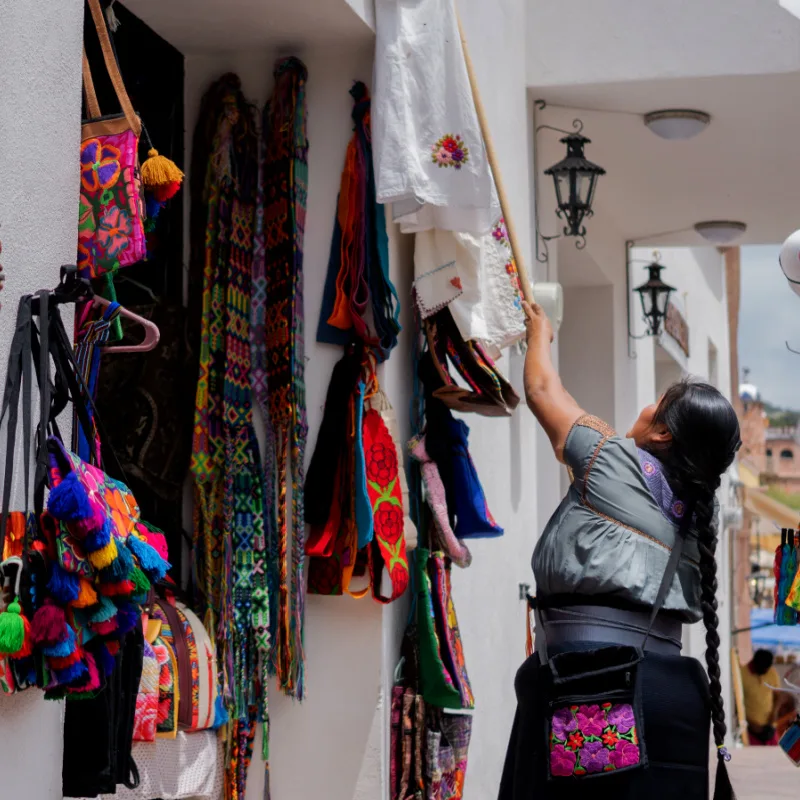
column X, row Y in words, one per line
column 611, row 536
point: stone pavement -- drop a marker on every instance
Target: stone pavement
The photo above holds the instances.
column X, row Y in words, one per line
column 764, row 773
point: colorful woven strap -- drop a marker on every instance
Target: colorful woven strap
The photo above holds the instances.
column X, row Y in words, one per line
column 91, row 336
column 285, row 188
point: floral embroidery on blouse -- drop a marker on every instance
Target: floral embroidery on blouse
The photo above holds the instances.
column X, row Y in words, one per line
column 450, row 151
column 671, row 507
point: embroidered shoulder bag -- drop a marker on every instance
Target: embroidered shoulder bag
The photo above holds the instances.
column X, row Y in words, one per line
column 594, row 699
column 111, row 221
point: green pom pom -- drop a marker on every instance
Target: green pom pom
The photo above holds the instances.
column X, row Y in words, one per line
column 12, row 629
column 141, row 585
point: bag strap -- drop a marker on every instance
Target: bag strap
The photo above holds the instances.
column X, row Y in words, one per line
column 18, row 379
column 82, row 398
column 113, row 73
column 671, row 570
column 89, row 92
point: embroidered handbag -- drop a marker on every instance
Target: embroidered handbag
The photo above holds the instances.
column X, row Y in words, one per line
column 195, row 663
column 111, row 218
column 594, row 699
column 443, row 670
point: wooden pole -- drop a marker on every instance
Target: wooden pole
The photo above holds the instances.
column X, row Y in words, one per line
column 516, row 250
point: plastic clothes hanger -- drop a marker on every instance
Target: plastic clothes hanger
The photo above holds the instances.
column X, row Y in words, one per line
column 151, row 333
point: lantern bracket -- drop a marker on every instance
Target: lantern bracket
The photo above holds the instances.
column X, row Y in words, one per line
column 577, row 233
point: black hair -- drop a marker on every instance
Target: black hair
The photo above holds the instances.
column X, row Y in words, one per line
column 705, row 436
column 762, row 661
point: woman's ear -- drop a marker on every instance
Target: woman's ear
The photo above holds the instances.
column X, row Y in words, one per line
column 659, row 434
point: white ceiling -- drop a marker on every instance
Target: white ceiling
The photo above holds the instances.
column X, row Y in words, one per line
column 211, row 26
column 744, row 166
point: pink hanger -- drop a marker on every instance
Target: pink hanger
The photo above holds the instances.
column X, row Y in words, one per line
column 151, row 332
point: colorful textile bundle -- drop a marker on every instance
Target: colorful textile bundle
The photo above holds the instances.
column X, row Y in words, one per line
column 101, row 568
column 229, row 542
column 285, row 182
column 787, row 579
column 489, row 393
column 358, row 270
column 355, row 491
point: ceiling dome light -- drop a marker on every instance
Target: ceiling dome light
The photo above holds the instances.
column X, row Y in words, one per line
column 678, row 123
column 720, row 232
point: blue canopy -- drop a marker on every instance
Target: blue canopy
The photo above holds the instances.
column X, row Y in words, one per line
column 771, row 635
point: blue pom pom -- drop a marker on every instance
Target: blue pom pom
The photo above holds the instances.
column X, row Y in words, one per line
column 220, row 713
column 64, row 586
column 149, row 560
column 71, row 674
column 63, row 648
column 68, row 501
column 105, row 661
column 152, row 206
column 120, row 567
column 128, row 617
column 98, row 539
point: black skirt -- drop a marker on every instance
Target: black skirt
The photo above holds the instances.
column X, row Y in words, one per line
column 677, row 730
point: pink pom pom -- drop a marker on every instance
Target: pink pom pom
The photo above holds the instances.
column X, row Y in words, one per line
column 49, row 625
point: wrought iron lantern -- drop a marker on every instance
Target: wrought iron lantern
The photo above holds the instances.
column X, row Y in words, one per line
column 575, row 178
column 654, row 294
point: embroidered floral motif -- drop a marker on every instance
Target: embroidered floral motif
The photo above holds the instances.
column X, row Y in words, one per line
column 450, row 151
column 649, row 468
column 113, row 232
column 588, row 739
column 678, row 508
column 500, row 232
column 456, row 282
column 100, row 165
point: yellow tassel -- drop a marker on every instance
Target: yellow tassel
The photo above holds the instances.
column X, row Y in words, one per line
column 104, row 556
column 159, row 170
column 87, row 596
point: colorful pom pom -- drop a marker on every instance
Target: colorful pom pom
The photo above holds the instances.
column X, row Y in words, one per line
column 105, row 609
column 118, row 589
column 120, row 567
column 87, row 596
column 158, row 171
column 102, row 558
column 128, row 618
column 69, row 501
column 12, row 629
column 64, row 586
column 149, row 560
column 98, row 538
column 49, row 625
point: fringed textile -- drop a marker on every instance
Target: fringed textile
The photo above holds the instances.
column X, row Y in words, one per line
column 358, row 269
column 285, row 187
column 229, row 542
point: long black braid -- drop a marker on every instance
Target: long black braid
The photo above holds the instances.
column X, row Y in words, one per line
column 704, row 438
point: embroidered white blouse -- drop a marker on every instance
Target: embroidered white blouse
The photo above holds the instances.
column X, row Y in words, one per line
column 428, row 153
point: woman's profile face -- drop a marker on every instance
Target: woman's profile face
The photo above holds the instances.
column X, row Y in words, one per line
column 644, row 432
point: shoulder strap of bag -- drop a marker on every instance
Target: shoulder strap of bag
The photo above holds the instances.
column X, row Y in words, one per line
column 671, row 570
column 18, row 379
column 113, row 72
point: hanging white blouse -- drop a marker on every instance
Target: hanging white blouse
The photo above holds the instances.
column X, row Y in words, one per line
column 477, row 278
column 428, row 153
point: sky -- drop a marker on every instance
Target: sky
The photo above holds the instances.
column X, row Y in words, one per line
column 769, row 315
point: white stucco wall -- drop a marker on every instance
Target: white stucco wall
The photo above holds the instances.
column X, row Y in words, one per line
column 39, row 144
column 583, row 41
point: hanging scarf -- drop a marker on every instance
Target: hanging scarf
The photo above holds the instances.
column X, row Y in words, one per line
column 229, row 540
column 285, row 188
column 92, row 334
column 358, row 268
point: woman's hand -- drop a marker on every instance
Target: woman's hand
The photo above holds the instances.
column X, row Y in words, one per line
column 537, row 323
